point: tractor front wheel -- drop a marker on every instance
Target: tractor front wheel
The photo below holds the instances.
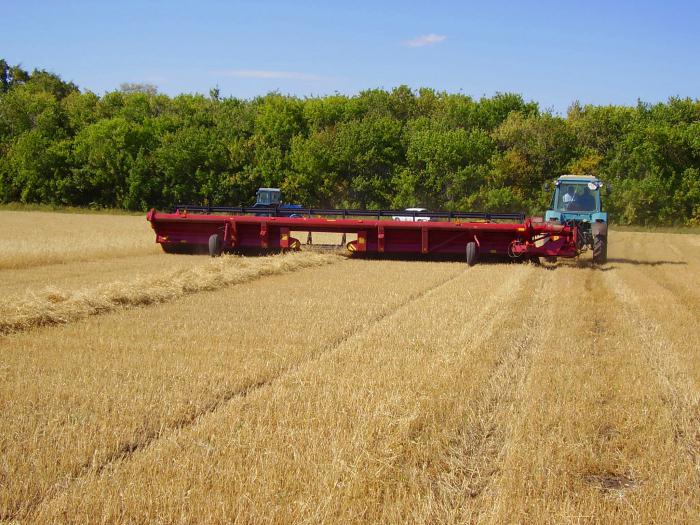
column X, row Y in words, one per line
column 471, row 253
column 215, row 245
column 600, row 249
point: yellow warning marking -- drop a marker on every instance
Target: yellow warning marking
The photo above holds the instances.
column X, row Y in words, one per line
column 361, row 240
column 555, row 237
column 521, row 229
column 493, row 251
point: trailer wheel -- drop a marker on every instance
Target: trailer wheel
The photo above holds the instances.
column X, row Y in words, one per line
column 215, row 245
column 600, row 249
column 471, row 253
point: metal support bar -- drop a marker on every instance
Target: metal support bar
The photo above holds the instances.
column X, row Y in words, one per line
column 284, row 238
column 424, row 240
column 380, row 239
column 227, row 233
column 361, row 241
column 230, row 234
column 263, row 235
column 282, row 211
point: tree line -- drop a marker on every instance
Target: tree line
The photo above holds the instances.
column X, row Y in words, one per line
column 135, row 148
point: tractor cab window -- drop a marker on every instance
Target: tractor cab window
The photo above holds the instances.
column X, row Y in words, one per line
column 577, row 197
column 268, row 197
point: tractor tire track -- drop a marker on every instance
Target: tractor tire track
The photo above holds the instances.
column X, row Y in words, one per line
column 129, row 449
column 663, row 358
column 576, row 455
column 491, row 382
column 487, row 324
column 530, row 402
column 474, row 460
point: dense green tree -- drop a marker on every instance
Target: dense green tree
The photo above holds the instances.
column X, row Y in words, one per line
column 135, row 148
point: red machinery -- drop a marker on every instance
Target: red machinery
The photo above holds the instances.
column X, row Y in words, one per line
column 447, row 233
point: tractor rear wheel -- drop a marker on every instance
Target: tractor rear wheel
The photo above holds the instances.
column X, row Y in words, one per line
column 471, row 253
column 600, row 249
column 215, row 245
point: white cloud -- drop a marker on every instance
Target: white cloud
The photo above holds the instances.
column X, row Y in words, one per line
column 425, row 40
column 260, row 73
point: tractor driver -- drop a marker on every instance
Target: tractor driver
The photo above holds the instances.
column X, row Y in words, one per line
column 569, row 198
column 586, row 201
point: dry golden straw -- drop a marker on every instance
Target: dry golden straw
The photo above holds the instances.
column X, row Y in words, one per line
column 55, row 306
column 368, row 391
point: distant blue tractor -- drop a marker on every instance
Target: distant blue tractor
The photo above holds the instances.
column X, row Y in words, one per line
column 577, row 200
column 272, row 198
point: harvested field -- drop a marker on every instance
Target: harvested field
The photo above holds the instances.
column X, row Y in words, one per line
column 329, row 390
column 34, row 238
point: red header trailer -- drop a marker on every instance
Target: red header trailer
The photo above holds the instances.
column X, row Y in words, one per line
column 440, row 233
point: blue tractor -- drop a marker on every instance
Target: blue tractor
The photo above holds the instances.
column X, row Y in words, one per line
column 577, row 201
column 272, row 198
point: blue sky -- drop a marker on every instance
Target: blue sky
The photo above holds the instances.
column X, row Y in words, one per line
column 553, row 52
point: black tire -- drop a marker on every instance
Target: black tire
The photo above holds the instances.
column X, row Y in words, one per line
column 471, row 253
column 215, row 245
column 600, row 249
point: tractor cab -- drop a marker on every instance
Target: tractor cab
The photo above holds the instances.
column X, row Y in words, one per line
column 272, row 198
column 577, row 198
column 266, row 197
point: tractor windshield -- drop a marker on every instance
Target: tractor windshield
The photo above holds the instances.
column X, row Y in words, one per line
column 268, row 197
column 584, row 197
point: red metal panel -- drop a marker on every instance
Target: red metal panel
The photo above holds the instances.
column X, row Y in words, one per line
column 440, row 237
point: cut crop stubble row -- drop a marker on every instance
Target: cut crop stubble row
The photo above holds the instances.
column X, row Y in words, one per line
column 382, row 429
column 76, row 397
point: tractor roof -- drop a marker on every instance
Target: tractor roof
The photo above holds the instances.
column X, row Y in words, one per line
column 584, row 178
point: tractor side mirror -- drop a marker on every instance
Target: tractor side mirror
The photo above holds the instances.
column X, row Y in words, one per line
column 545, row 186
column 608, row 190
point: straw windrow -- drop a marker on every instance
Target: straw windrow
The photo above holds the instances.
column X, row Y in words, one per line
column 56, row 306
